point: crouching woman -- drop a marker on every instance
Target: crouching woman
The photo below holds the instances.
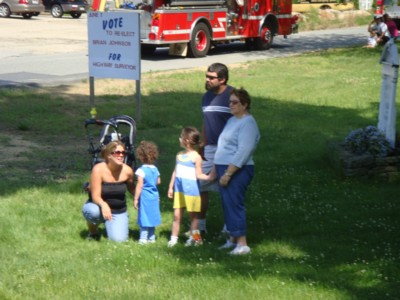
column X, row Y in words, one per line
column 109, row 182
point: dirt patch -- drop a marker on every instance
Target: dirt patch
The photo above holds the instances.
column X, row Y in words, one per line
column 49, row 159
column 14, row 146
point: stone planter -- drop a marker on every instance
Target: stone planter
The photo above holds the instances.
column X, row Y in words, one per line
column 365, row 165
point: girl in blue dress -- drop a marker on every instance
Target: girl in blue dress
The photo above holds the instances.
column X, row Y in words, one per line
column 184, row 186
column 147, row 199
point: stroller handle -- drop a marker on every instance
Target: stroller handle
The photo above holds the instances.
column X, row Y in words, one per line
column 100, row 123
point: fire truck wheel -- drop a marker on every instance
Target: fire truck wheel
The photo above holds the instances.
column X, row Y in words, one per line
column 264, row 42
column 200, row 41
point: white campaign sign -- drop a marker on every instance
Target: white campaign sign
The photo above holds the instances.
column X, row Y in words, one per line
column 114, row 41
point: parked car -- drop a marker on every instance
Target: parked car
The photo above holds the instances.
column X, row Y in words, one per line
column 25, row 8
column 58, row 8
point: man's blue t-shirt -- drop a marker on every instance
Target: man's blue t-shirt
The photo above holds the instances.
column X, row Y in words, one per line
column 216, row 113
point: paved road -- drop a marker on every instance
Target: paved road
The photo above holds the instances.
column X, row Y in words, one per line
column 49, row 51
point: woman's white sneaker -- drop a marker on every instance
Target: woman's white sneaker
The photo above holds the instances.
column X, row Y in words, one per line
column 240, row 250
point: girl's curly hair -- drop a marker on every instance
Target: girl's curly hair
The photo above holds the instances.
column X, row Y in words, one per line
column 147, row 152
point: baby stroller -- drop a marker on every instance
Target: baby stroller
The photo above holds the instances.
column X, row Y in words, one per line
column 121, row 128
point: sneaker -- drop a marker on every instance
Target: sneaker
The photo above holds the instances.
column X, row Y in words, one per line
column 142, row 242
column 151, row 241
column 227, row 245
column 240, row 250
column 189, row 242
column 198, row 242
column 188, row 233
column 172, row 244
column 93, row 237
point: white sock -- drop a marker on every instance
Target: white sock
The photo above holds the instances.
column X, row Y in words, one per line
column 174, row 238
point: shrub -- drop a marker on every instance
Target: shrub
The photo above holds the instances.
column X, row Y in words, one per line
column 367, row 140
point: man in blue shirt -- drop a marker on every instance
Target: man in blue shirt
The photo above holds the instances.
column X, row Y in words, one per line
column 216, row 112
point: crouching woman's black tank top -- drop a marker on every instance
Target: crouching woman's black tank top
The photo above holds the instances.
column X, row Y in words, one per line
column 114, row 194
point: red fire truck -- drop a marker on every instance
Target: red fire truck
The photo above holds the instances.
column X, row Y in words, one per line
column 191, row 27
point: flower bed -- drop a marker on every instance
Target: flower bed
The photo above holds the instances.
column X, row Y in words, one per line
column 365, row 165
column 365, row 154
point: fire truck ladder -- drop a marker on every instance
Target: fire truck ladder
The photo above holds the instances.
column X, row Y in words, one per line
column 198, row 3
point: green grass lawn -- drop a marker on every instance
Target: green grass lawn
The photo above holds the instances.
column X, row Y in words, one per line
column 314, row 234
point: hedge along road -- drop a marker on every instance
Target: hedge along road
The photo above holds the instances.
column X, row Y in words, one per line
column 48, row 51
